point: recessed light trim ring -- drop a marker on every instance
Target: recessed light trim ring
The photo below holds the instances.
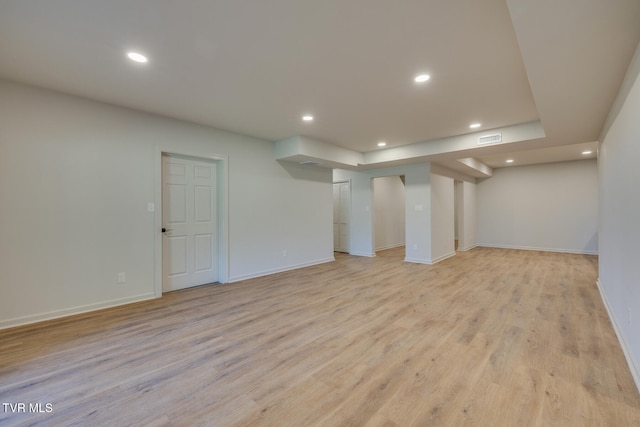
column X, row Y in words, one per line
column 137, row 57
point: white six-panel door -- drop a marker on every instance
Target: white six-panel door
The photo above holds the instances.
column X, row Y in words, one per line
column 189, row 221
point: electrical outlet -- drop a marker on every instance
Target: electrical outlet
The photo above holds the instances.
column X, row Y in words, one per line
column 284, row 252
column 122, row 277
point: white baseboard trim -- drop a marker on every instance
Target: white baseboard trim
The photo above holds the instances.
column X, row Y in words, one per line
column 533, row 248
column 384, row 248
column 635, row 370
column 429, row 261
column 443, row 257
column 367, row 254
column 468, row 248
column 278, row 270
column 417, row 261
column 56, row 314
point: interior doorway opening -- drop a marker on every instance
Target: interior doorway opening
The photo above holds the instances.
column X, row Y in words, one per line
column 389, row 224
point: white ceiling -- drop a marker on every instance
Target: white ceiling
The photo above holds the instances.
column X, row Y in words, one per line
column 255, row 67
column 558, row 153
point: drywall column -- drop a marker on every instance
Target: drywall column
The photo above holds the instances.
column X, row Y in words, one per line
column 619, row 245
column 417, row 209
column 467, row 216
column 418, row 213
column 442, row 218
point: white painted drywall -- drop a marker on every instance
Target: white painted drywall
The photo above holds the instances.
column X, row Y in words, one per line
column 442, row 218
column 457, row 203
column 417, row 209
column 429, row 211
column 467, row 215
column 76, row 177
column 619, row 249
column 550, row 207
column 388, row 212
column 361, row 219
column 417, row 193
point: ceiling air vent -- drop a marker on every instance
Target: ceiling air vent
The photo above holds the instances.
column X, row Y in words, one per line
column 490, row 139
column 309, row 163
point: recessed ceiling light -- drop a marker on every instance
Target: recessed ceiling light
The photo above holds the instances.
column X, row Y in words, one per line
column 381, row 144
column 307, row 118
column 422, row 78
column 475, row 125
column 509, row 160
column 138, row 57
column 586, row 153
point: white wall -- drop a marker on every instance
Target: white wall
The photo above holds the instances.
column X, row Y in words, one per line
column 466, row 215
column 619, row 179
column 417, row 193
column 75, row 180
column 442, row 218
column 544, row 207
column 417, row 209
column 457, row 203
column 429, row 212
column 388, row 212
column 361, row 218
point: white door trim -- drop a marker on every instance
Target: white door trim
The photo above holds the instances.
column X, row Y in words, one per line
column 222, row 162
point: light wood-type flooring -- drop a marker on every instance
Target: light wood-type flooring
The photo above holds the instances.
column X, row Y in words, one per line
column 490, row 337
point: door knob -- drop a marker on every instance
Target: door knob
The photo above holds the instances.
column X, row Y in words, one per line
column 164, row 230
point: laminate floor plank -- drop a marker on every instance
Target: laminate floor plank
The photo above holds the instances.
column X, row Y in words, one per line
column 489, row 337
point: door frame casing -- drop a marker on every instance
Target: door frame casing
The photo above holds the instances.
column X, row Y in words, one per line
column 222, row 188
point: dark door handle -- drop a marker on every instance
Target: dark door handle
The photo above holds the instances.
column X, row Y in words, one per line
column 164, row 230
